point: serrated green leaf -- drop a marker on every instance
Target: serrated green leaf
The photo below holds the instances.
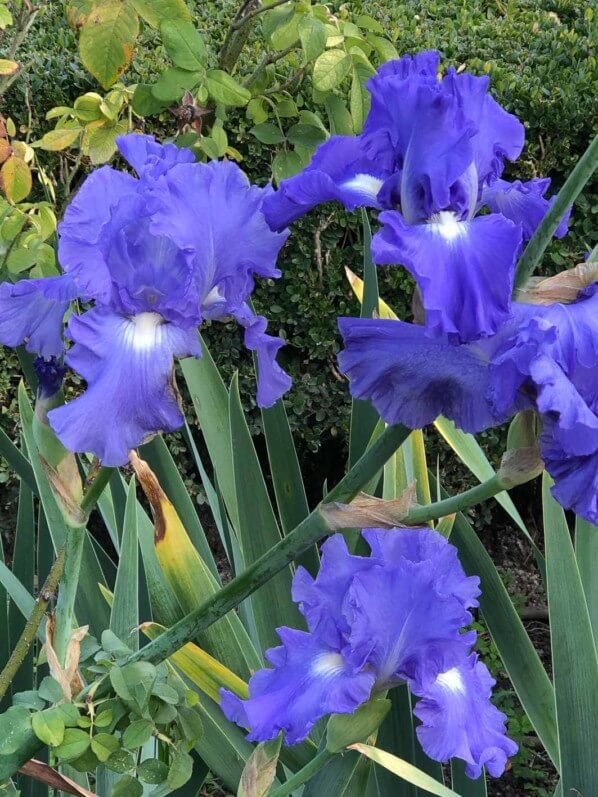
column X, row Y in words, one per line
column 285, row 164
column 184, row 44
column 48, row 726
column 190, row 723
column 144, row 102
column 104, row 745
column 15, row 179
column 173, row 83
column 50, row 690
column 120, row 762
column 62, row 138
column 312, row 33
column 268, row 133
column 154, row 12
column 127, row 786
column 225, row 89
column 107, row 40
column 137, row 734
column 152, row 771
column 181, row 769
column 133, row 682
column 330, row 69
column 74, row 743
column 305, row 135
column 15, row 727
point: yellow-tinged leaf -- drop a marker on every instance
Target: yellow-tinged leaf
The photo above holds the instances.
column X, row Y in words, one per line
column 55, row 140
column 404, row 770
column 206, row 672
column 356, row 284
column 15, row 179
column 5, row 150
column 23, row 151
column 8, row 67
column 108, row 40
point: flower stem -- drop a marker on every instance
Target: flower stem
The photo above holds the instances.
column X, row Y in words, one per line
column 299, row 778
column 456, row 503
column 31, row 627
column 573, row 186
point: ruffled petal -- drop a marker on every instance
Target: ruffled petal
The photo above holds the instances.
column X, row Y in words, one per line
column 399, row 620
column 412, row 379
column 130, row 396
column 212, row 211
column 423, row 545
column 148, row 157
column 80, row 231
column 321, row 599
column 523, row 203
column 459, row 721
column 340, row 170
column 272, row 381
column 499, row 134
column 32, row 312
column 309, row 681
column 464, row 269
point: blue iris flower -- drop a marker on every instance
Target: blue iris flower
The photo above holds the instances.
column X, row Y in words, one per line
column 431, row 155
column 396, row 616
column 544, row 357
column 157, row 254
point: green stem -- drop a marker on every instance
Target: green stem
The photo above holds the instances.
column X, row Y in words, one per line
column 96, row 488
column 301, row 777
column 312, row 529
column 456, row 503
column 31, row 627
column 65, row 605
column 580, row 175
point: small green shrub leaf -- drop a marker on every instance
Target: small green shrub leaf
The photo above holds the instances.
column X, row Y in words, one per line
column 74, row 743
column 48, row 726
column 184, row 44
column 15, row 727
column 225, row 89
column 330, row 69
column 152, row 771
column 137, row 734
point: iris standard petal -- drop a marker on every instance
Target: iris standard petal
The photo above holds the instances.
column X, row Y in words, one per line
column 321, row 598
column 309, row 680
column 32, row 313
column 272, row 381
column 412, row 379
column 459, row 721
column 212, row 211
column 523, row 203
column 399, row 620
column 148, row 157
column 340, row 170
column 130, row 396
column 464, row 269
column 80, row 230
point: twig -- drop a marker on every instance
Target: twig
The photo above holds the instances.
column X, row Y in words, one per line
column 24, row 22
column 243, row 20
column 295, row 78
column 269, row 58
column 32, row 625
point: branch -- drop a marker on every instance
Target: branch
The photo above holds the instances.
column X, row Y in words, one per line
column 269, row 58
column 243, row 20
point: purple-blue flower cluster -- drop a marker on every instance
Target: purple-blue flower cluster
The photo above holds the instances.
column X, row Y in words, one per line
column 396, row 616
column 156, row 254
column 430, row 157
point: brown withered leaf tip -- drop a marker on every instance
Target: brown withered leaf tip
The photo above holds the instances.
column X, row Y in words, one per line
column 189, row 114
column 563, row 288
column 520, row 465
column 365, row 511
column 44, row 773
column 153, row 492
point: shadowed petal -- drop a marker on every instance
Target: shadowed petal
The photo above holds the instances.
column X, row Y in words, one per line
column 464, row 269
column 32, row 312
column 523, row 203
column 148, row 157
column 128, row 365
column 309, row 680
column 412, row 379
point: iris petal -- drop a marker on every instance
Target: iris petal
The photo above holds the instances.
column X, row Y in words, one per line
column 340, row 170
column 309, row 680
column 523, row 203
column 130, row 396
column 459, row 721
column 464, row 269
column 32, row 312
column 412, row 379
